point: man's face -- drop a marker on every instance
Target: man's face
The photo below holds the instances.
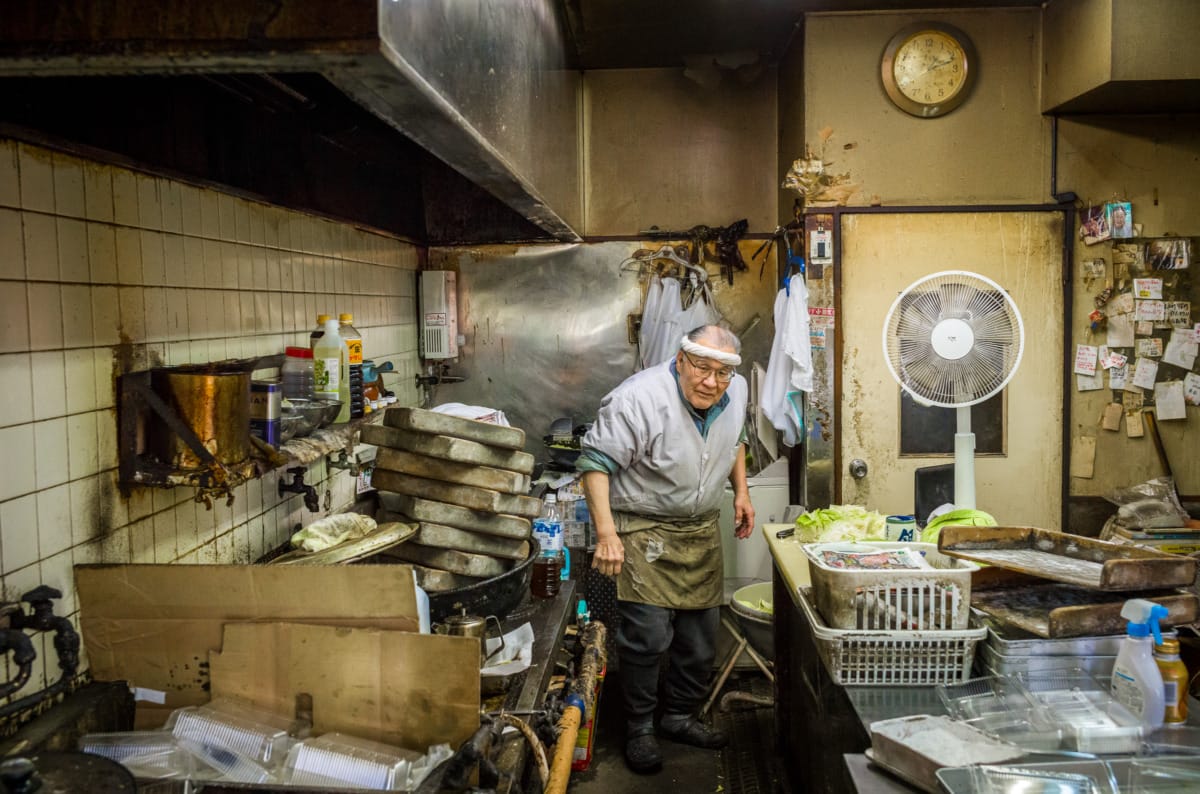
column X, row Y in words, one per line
column 703, row 380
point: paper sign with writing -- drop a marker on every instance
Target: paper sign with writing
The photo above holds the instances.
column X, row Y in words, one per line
column 1085, row 359
column 1132, row 399
column 1148, row 288
column 1145, row 370
column 1189, row 335
column 1113, row 359
column 1179, row 313
column 1117, row 377
column 1168, row 400
column 1134, row 427
column 1152, row 347
column 1150, row 311
column 1122, row 304
column 1093, row 382
column 1191, row 388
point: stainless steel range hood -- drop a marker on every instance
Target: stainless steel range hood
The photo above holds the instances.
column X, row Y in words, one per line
column 484, row 87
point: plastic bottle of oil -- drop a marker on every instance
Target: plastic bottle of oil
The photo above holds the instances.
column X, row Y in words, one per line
column 1175, row 680
column 352, row 374
column 327, row 363
column 546, row 578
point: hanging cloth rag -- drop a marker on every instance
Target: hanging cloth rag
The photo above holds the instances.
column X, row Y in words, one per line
column 790, row 371
column 664, row 318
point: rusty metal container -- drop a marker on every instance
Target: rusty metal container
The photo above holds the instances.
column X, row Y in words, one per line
column 214, row 402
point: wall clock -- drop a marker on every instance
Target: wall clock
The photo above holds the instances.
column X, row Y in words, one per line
column 928, row 68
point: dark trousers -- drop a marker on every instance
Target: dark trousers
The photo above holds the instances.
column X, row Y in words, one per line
column 687, row 636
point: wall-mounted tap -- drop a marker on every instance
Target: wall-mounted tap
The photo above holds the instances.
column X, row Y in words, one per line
column 41, row 617
column 311, row 500
column 438, row 375
column 344, row 462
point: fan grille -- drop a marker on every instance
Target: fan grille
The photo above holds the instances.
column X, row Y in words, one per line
column 984, row 368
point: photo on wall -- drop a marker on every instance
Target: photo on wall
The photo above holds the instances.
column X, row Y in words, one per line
column 1120, row 219
column 1173, row 253
column 1093, row 224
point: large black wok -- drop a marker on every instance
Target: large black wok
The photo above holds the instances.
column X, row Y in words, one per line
column 495, row 596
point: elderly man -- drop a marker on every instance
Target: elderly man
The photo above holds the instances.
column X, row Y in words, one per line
column 654, row 466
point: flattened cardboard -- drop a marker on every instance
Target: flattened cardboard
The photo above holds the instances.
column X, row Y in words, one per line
column 154, row 625
column 412, row 690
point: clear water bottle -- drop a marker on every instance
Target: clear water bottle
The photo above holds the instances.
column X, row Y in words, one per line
column 297, row 374
column 548, row 566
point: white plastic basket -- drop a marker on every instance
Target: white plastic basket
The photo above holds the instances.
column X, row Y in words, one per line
column 892, row 658
column 919, row 599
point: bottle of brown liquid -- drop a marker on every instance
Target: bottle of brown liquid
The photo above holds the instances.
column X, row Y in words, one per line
column 1175, row 681
column 547, row 576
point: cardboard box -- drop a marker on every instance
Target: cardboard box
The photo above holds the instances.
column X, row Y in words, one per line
column 154, row 626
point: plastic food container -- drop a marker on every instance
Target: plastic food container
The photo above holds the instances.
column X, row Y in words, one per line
column 147, row 754
column 337, row 759
column 936, row 598
column 225, row 734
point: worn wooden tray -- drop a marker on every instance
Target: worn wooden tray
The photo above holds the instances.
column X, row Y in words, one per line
column 1053, row 610
column 1068, row 558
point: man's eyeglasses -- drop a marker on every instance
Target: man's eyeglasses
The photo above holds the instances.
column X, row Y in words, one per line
column 722, row 375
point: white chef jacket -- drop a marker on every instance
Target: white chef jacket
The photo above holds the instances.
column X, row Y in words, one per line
column 665, row 467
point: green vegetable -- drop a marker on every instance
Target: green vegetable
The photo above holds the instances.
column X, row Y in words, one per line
column 841, row 522
column 964, row 517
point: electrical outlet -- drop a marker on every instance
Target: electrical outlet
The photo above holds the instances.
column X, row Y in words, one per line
column 633, row 327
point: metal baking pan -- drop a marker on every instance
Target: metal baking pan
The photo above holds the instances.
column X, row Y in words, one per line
column 1011, row 641
column 999, row 664
column 1071, row 559
column 1054, row 610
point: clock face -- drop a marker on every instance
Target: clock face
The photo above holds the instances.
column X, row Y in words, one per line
column 927, row 69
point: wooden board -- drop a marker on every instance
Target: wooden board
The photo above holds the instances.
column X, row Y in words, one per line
column 448, row 448
column 1058, row 610
column 501, row 480
column 444, row 537
column 435, row 580
column 453, row 515
column 466, row 496
column 1070, row 559
column 459, row 562
column 406, row 418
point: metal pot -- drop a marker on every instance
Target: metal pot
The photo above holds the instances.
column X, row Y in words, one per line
column 465, row 625
column 214, row 403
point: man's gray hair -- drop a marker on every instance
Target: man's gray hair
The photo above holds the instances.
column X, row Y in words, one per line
column 715, row 334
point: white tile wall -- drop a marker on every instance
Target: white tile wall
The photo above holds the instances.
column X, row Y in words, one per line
column 101, row 265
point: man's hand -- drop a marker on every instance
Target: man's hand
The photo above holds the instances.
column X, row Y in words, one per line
column 743, row 515
column 610, row 554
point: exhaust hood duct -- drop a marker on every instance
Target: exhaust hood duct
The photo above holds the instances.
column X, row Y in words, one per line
column 484, row 87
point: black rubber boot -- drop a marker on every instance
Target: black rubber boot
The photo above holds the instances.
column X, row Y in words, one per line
column 686, row 729
column 641, row 750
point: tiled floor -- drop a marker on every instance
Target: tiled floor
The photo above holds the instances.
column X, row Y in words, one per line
column 744, row 767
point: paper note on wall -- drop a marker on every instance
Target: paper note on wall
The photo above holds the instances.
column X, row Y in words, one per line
column 1089, row 382
column 1152, row 347
column 1150, row 311
column 1118, row 376
column 1111, row 419
column 1120, row 330
column 1083, row 457
column 1191, row 388
column 1168, row 400
column 1085, row 359
column 1145, row 370
column 1148, row 288
column 1181, row 352
column 1179, row 313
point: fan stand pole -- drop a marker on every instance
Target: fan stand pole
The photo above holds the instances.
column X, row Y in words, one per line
column 964, row 461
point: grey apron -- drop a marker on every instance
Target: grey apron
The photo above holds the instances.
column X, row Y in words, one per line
column 674, row 563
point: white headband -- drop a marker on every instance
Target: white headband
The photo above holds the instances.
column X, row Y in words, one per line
column 696, row 349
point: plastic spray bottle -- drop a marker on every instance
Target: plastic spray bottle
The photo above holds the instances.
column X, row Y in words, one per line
column 1137, row 683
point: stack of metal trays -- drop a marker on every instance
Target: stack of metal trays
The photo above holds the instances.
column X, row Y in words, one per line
column 1008, row 651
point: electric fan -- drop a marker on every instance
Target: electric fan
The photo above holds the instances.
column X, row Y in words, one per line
column 954, row 339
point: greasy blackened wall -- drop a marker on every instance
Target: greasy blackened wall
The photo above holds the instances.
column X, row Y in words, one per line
column 104, row 269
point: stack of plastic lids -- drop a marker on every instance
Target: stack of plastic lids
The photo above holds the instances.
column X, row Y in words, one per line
column 149, row 754
column 338, row 759
column 244, row 745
